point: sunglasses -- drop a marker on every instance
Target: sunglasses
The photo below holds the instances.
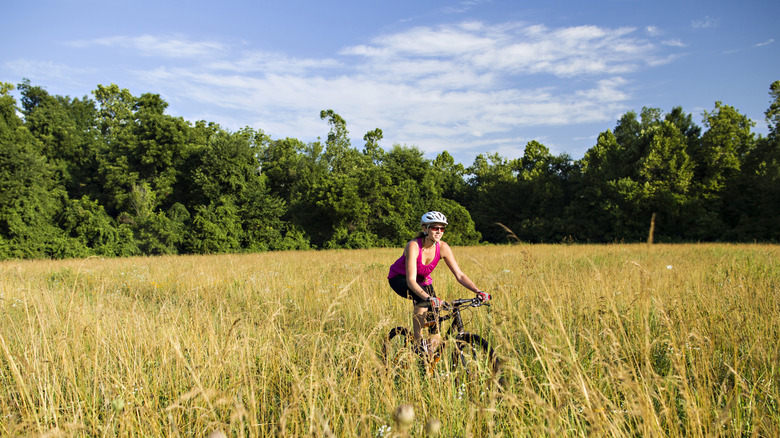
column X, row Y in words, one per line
column 436, row 229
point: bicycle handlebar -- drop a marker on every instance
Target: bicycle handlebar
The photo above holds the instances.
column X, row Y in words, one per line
column 472, row 302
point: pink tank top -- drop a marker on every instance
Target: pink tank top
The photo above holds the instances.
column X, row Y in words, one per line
column 423, row 271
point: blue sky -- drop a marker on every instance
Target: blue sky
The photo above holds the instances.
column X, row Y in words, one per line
column 468, row 77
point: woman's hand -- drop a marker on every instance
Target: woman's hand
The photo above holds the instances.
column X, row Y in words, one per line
column 483, row 296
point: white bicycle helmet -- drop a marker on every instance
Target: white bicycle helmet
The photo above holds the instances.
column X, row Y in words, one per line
column 433, row 217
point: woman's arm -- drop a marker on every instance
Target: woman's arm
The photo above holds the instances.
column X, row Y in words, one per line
column 449, row 259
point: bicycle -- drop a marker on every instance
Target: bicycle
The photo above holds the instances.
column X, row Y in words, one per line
column 467, row 356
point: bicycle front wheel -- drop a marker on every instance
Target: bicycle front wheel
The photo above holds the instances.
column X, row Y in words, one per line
column 474, row 364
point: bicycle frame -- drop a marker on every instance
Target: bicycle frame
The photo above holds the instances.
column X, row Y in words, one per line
column 456, row 327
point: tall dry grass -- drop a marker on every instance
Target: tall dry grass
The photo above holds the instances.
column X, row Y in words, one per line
column 614, row 340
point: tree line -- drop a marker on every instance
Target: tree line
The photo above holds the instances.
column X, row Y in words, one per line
column 114, row 175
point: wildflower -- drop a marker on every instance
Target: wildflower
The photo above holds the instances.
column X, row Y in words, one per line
column 383, row 431
column 461, row 391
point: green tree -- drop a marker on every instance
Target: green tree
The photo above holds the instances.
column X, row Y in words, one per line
column 773, row 112
column 144, row 146
column 595, row 209
column 449, row 177
column 461, row 230
column 686, row 126
column 754, row 196
column 66, row 130
column 339, row 154
column 31, row 196
column 608, row 206
column 622, row 178
column 725, row 144
column 490, row 184
column 346, row 198
column 282, row 162
column 296, row 173
column 233, row 208
column 541, row 194
column 118, row 166
column 372, row 149
column 86, row 221
column 143, row 163
column 665, row 175
column 216, row 228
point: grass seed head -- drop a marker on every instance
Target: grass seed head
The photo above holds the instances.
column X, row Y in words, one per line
column 404, row 415
column 118, row 404
column 433, row 427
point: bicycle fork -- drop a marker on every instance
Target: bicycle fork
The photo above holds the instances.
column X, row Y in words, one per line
column 457, row 325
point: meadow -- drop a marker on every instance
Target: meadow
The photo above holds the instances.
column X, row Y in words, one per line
column 594, row 340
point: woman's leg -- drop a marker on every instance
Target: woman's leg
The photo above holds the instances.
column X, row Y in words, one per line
column 418, row 321
column 434, row 340
column 420, row 309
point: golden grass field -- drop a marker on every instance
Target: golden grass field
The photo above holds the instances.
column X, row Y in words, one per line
column 596, row 340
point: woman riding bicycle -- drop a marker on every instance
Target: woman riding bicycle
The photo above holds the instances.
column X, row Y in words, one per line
column 410, row 275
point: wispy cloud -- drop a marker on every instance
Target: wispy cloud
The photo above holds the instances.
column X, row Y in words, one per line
column 704, row 23
column 161, row 46
column 673, row 43
column 266, row 62
column 738, row 50
column 43, row 70
column 463, row 6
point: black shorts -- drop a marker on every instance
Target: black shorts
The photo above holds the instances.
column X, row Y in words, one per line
column 398, row 283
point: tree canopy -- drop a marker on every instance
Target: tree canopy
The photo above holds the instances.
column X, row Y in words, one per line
column 115, row 175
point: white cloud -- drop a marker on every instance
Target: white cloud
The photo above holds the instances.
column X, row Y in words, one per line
column 456, row 87
column 765, row 43
column 412, row 114
column 514, row 49
column 673, row 43
column 162, row 46
column 446, row 41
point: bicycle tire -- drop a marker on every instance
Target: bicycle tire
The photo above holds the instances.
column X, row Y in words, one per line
column 397, row 352
column 474, row 363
